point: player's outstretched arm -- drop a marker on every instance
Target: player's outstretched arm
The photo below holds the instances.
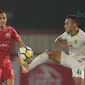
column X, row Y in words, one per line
column 40, row 59
column 22, row 63
column 20, row 43
column 61, row 42
column 16, row 37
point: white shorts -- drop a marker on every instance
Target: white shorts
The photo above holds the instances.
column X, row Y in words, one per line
column 70, row 62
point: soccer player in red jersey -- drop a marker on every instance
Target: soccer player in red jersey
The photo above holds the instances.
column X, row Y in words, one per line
column 7, row 34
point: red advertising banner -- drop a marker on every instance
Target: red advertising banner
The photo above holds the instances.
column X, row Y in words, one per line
column 48, row 74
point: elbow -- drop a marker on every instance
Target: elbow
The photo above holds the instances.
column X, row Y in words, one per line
column 55, row 40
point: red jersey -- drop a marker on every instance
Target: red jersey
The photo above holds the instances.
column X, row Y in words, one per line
column 6, row 36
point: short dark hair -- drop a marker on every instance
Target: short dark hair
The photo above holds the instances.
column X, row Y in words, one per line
column 74, row 18
column 1, row 12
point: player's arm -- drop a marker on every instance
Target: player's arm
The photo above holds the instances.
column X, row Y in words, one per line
column 18, row 39
column 61, row 40
column 22, row 63
column 20, row 43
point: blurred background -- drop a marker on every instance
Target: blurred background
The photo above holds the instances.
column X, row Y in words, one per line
column 39, row 22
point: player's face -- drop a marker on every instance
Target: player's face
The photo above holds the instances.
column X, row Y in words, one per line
column 68, row 25
column 3, row 20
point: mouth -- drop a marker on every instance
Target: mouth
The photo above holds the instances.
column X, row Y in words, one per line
column 2, row 23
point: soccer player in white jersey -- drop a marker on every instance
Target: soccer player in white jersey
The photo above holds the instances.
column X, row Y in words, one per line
column 75, row 38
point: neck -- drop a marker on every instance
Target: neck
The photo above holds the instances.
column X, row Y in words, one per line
column 74, row 31
column 2, row 27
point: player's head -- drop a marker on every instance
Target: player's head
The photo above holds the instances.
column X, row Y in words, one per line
column 3, row 18
column 71, row 23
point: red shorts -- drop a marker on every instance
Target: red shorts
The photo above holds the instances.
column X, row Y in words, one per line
column 6, row 71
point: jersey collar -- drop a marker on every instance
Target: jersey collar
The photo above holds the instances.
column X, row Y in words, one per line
column 76, row 33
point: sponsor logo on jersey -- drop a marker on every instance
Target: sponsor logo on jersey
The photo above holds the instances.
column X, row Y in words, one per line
column 7, row 35
column 75, row 41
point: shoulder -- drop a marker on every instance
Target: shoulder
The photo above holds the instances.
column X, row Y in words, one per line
column 10, row 28
column 65, row 33
column 81, row 32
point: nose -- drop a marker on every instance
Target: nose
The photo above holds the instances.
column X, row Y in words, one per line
column 2, row 19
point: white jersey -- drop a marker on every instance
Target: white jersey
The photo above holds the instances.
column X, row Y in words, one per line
column 76, row 44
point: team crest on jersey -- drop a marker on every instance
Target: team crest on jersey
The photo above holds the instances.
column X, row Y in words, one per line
column 75, row 41
column 7, row 35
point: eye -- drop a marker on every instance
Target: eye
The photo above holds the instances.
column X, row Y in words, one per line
column 4, row 18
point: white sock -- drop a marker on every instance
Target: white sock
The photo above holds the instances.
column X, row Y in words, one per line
column 40, row 59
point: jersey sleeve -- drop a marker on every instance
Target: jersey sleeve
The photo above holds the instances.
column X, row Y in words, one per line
column 83, row 37
column 15, row 35
column 64, row 36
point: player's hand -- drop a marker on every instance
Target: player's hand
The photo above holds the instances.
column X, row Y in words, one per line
column 64, row 45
